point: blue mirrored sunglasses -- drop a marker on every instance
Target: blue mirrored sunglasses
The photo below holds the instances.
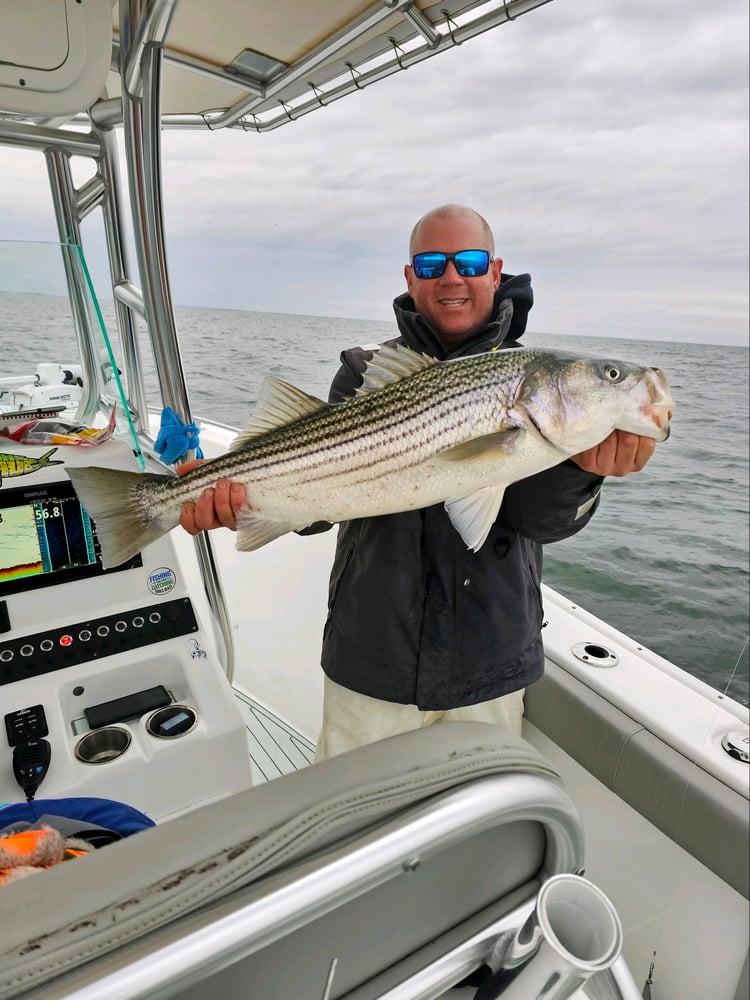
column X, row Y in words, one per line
column 468, row 263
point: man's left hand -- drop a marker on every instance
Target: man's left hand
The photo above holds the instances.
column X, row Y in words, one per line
column 216, row 507
column 618, row 455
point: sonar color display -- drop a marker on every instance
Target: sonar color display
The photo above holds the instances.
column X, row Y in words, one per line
column 44, row 537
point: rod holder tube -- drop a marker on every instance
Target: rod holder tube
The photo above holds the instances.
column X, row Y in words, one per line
column 573, row 933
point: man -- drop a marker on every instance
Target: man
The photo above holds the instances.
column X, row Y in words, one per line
column 420, row 629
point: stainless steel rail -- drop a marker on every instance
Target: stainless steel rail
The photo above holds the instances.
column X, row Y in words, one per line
column 246, row 114
column 119, row 268
column 68, row 226
column 398, row 847
column 25, row 136
column 144, row 25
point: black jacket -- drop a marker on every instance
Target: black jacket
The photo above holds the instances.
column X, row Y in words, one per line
column 414, row 616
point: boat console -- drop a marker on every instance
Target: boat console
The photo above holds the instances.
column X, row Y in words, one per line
column 110, row 682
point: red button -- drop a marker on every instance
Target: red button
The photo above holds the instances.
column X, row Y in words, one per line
column 66, row 640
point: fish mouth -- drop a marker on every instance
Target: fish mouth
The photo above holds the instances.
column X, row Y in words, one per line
column 662, row 416
column 660, row 404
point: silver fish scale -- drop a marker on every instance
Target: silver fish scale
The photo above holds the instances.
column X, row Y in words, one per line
column 385, row 450
column 387, row 430
column 400, row 424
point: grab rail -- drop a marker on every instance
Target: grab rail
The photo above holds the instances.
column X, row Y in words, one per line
column 400, row 846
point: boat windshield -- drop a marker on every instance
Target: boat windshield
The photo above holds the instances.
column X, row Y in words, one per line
column 63, row 361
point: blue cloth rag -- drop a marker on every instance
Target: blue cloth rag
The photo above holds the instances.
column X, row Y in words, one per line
column 108, row 813
column 175, row 438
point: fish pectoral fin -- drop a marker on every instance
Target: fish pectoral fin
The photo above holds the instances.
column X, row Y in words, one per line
column 392, row 363
column 255, row 531
column 474, row 515
column 483, row 447
column 279, row 404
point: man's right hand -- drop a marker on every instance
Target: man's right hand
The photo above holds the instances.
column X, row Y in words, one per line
column 216, row 507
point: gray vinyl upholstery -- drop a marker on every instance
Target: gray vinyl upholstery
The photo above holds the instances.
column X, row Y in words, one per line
column 707, row 819
column 65, row 928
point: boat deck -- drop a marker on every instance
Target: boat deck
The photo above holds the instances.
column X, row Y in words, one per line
column 275, row 748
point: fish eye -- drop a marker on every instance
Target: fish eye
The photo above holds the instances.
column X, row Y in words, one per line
column 612, row 373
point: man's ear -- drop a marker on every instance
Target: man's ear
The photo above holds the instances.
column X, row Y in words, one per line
column 408, row 276
column 497, row 270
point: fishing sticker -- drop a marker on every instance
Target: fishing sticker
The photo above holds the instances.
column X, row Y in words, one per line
column 23, row 465
column 161, row 581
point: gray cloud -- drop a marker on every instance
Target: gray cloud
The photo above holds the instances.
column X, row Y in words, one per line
column 606, row 144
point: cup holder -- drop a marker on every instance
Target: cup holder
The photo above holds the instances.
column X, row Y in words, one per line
column 173, row 721
column 103, row 745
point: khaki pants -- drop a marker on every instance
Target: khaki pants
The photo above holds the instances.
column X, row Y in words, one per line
column 352, row 720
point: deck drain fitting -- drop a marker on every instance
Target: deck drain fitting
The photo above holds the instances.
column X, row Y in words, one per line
column 595, row 654
column 737, row 745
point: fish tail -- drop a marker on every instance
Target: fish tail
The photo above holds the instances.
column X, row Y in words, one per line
column 122, row 508
column 45, row 459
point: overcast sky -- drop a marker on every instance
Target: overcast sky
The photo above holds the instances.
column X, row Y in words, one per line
column 606, row 142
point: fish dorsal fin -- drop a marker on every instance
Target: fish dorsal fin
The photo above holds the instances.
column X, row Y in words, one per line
column 474, row 515
column 279, row 404
column 392, row 363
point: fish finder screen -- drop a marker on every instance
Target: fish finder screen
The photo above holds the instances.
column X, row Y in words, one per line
column 46, row 537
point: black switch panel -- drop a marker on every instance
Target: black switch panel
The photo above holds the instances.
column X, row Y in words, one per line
column 26, row 725
column 94, row 638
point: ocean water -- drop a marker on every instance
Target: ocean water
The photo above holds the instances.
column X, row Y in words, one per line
column 665, row 559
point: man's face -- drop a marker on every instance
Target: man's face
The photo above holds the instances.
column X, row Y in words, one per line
column 455, row 307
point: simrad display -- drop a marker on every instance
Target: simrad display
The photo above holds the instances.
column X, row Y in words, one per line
column 46, row 538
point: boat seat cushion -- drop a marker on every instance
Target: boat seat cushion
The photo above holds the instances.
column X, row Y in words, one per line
column 93, row 906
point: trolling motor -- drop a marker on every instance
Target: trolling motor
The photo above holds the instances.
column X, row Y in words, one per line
column 51, row 385
column 573, row 934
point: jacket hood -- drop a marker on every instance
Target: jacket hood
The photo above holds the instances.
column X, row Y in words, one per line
column 513, row 299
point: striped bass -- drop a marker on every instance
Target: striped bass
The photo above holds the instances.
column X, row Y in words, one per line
column 420, row 431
